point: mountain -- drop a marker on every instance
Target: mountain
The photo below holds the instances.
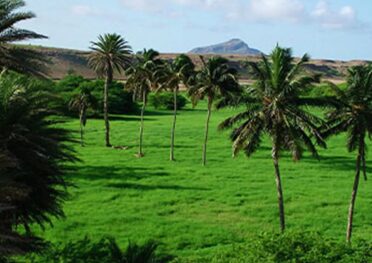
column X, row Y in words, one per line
column 233, row 46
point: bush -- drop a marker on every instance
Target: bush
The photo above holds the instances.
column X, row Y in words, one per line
column 298, row 247
column 120, row 101
column 70, row 82
column 323, row 90
column 106, row 250
column 165, row 101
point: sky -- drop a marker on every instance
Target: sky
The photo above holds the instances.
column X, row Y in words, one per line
column 325, row 29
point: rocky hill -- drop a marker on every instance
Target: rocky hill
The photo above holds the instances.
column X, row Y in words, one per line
column 233, row 46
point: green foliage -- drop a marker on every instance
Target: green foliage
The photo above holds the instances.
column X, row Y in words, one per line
column 120, row 100
column 165, row 101
column 70, row 83
column 322, row 90
column 106, row 250
column 297, row 247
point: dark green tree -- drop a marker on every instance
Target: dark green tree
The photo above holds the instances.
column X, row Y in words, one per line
column 32, row 157
column 274, row 107
column 354, row 117
column 109, row 54
column 216, row 80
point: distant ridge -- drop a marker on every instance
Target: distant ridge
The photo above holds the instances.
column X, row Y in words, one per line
column 64, row 61
column 234, row 46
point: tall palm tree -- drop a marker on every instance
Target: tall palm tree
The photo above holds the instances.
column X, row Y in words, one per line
column 171, row 76
column 216, row 80
column 14, row 57
column 275, row 108
column 110, row 53
column 81, row 103
column 32, row 156
column 141, row 81
column 353, row 116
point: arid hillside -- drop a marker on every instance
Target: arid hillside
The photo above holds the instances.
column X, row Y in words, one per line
column 67, row 60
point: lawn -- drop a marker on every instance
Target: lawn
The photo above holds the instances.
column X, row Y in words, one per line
column 197, row 211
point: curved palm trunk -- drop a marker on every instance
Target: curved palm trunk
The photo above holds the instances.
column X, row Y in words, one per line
column 360, row 158
column 140, row 150
column 207, row 131
column 105, row 105
column 175, row 93
column 279, row 188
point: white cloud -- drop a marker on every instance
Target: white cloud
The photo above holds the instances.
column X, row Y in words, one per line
column 83, row 10
column 276, row 10
column 266, row 11
column 344, row 18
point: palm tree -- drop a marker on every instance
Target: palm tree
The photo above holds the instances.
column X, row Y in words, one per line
column 217, row 79
column 353, row 116
column 32, row 157
column 184, row 64
column 111, row 53
column 81, row 103
column 170, row 77
column 141, row 81
column 14, row 57
column 275, row 108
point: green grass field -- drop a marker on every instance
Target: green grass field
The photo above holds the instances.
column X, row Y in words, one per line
column 197, row 211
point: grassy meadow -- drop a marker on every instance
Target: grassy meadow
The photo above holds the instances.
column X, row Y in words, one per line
column 196, row 211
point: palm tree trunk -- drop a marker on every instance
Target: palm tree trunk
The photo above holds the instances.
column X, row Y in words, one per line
column 81, row 129
column 140, row 150
column 355, row 190
column 279, row 188
column 364, row 167
column 105, row 105
column 207, row 131
column 175, row 93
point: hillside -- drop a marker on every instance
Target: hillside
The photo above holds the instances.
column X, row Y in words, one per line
column 66, row 60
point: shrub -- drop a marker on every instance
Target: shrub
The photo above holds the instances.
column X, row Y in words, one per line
column 120, row 101
column 323, row 90
column 70, row 82
column 106, row 250
column 298, row 247
column 165, row 101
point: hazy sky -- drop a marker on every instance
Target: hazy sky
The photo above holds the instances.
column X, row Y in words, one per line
column 334, row 29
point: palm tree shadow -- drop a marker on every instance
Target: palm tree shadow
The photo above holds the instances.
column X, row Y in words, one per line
column 340, row 163
column 153, row 187
column 158, row 113
column 124, row 118
column 103, row 173
column 176, row 146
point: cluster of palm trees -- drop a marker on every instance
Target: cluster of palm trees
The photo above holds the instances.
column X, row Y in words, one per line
column 147, row 73
column 274, row 105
